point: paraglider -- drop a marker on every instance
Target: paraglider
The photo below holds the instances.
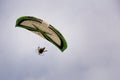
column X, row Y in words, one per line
column 41, row 50
column 43, row 29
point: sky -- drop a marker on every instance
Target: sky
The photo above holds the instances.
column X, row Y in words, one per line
column 90, row 27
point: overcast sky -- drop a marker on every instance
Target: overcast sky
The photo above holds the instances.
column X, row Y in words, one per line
column 92, row 31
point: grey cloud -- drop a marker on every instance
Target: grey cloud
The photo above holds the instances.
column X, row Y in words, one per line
column 91, row 29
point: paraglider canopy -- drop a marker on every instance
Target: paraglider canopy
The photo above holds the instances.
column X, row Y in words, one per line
column 43, row 29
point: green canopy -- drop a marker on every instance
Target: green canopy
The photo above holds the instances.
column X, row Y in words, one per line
column 42, row 29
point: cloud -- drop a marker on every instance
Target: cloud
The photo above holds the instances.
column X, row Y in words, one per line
column 91, row 29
